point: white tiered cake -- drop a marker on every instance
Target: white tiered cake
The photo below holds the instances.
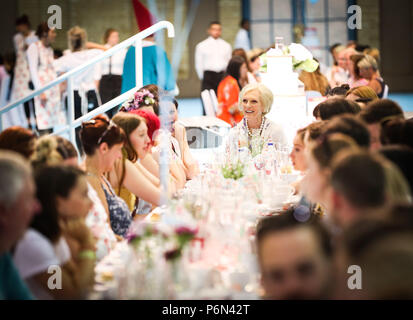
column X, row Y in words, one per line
column 289, row 108
column 280, row 75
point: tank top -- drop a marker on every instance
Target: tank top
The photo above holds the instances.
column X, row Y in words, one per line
column 120, row 216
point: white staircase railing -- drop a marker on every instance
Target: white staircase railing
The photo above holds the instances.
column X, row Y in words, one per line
column 72, row 123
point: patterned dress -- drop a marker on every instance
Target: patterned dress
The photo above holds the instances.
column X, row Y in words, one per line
column 97, row 221
column 49, row 113
column 21, row 76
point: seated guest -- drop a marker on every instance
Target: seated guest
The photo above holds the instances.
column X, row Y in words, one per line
column 228, row 91
column 338, row 74
column 254, row 63
column 297, row 156
column 249, row 76
column 294, row 257
column 151, row 159
column 335, row 106
column 18, row 205
column 375, row 113
column 362, row 95
column 363, row 185
column 402, row 157
column 383, row 249
column 315, row 81
column 370, row 71
column 397, row 131
column 129, row 178
column 145, row 101
column 54, row 150
column 319, row 157
column 354, row 69
column 350, row 126
column 180, row 143
column 58, row 236
column 18, row 139
column 255, row 101
column 102, row 143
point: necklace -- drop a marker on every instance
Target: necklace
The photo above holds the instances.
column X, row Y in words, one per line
column 261, row 126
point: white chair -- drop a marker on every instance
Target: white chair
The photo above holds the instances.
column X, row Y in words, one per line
column 313, row 94
column 208, row 104
column 385, row 91
column 214, row 100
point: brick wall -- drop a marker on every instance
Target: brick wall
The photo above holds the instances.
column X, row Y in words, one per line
column 230, row 14
column 370, row 32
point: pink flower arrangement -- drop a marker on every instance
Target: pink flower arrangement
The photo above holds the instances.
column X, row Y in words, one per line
column 141, row 98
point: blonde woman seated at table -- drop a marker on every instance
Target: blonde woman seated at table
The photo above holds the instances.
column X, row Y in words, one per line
column 129, row 178
column 255, row 100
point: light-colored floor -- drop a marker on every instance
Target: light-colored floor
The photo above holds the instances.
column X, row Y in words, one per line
column 192, row 107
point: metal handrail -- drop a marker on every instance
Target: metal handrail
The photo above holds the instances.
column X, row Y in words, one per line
column 136, row 39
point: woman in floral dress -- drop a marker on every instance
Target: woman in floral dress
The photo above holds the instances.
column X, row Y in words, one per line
column 48, row 108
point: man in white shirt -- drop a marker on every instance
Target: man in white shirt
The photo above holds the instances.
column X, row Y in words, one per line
column 211, row 57
column 242, row 39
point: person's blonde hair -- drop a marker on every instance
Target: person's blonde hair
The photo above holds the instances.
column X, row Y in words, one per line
column 77, row 38
column 367, row 62
column 46, row 153
column 373, row 52
column 363, row 92
column 266, row 96
column 397, row 187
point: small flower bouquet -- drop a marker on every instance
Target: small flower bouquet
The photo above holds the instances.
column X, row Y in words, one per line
column 141, row 98
column 233, row 171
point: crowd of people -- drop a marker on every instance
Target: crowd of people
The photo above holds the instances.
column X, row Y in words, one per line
column 355, row 161
column 35, row 63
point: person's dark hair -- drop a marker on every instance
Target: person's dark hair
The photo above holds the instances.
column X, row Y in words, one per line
column 23, row 20
column 351, row 126
column 288, row 221
column 379, row 110
column 339, row 91
column 10, row 59
column 241, row 52
column 402, row 157
column 315, row 130
column 57, row 53
column 356, row 58
column 362, row 47
column 128, row 122
column 360, row 177
column 156, row 91
column 243, row 22
column 383, row 250
column 51, row 182
column 234, row 66
column 18, row 139
column 397, row 131
column 214, row 22
column 107, row 34
column 335, row 106
column 42, row 30
column 97, row 131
